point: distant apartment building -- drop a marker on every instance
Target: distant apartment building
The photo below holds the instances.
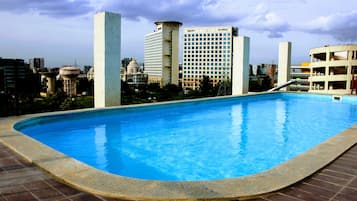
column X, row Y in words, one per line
column 13, row 73
column 37, row 64
column 207, row 51
column 301, row 74
column 161, row 53
column 333, row 69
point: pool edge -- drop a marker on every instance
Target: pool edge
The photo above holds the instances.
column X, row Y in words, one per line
column 94, row 181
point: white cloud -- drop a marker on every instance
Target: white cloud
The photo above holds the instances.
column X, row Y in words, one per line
column 262, row 19
column 341, row 26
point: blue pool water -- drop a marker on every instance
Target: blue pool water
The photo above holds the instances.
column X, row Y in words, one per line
column 200, row 140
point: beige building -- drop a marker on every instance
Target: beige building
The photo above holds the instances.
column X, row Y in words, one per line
column 333, row 69
column 207, row 51
column 161, row 53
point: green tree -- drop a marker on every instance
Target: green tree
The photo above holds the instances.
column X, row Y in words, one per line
column 206, row 86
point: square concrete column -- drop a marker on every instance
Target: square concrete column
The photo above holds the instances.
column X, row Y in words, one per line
column 284, row 63
column 240, row 70
column 107, row 42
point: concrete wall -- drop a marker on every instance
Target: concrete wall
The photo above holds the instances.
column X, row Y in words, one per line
column 284, row 63
column 107, row 42
column 240, row 75
column 175, row 57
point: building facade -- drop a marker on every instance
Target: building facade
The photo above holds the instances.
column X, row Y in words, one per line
column 161, row 50
column 207, row 51
column 333, row 69
column 37, row 64
column 134, row 76
column 13, row 72
column 69, row 76
column 301, row 74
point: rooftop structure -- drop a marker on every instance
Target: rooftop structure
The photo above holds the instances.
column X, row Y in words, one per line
column 107, row 42
column 69, row 75
column 284, row 63
column 50, row 76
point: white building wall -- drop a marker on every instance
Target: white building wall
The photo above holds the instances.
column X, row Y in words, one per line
column 240, row 77
column 284, row 63
column 107, row 44
column 153, row 54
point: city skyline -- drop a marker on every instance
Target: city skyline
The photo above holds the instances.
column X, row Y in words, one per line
column 61, row 31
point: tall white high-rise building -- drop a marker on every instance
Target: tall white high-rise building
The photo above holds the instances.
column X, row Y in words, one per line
column 161, row 53
column 207, row 51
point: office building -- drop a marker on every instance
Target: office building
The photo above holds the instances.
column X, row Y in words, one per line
column 161, row 53
column 37, row 64
column 207, row 51
column 333, row 69
column 13, row 74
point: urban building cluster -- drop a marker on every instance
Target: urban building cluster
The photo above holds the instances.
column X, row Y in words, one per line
column 16, row 74
column 207, row 52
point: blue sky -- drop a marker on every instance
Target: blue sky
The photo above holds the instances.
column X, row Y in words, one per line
column 62, row 30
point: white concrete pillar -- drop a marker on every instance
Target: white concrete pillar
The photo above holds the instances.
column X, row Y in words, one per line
column 240, row 70
column 107, row 42
column 284, row 63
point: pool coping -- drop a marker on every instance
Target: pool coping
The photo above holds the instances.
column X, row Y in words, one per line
column 86, row 178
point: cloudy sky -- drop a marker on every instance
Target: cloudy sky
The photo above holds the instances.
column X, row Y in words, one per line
column 62, row 30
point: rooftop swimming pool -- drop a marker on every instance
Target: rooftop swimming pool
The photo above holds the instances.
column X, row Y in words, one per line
column 212, row 139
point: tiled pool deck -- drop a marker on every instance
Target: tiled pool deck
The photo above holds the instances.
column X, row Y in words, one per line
column 20, row 180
